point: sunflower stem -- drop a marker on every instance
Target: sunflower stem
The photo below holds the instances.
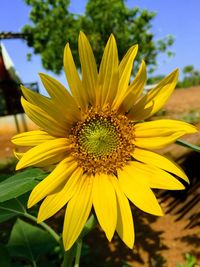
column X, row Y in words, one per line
column 78, row 252
column 90, row 224
column 188, row 145
column 43, row 225
column 68, row 257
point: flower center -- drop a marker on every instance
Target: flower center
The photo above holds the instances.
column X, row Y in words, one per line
column 103, row 142
column 99, row 138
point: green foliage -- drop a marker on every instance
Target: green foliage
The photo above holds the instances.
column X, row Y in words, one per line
column 12, row 208
column 191, row 117
column 188, row 69
column 191, row 77
column 53, row 25
column 20, row 183
column 155, row 79
column 190, row 261
column 5, row 257
column 28, row 241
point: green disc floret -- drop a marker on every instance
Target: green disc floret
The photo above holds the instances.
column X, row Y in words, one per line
column 99, row 138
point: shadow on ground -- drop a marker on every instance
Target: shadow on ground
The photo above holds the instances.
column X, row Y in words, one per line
column 100, row 253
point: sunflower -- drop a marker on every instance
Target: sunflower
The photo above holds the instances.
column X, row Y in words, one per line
column 98, row 145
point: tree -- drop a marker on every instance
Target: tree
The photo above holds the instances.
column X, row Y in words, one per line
column 53, row 26
column 191, row 77
column 188, row 70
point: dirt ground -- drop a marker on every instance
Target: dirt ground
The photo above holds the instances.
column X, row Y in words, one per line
column 159, row 241
column 183, row 100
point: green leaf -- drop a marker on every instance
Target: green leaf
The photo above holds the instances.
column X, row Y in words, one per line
column 188, row 145
column 29, row 241
column 190, row 260
column 4, row 257
column 13, row 207
column 20, row 183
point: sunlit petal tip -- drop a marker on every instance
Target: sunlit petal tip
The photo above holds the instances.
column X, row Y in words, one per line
column 82, row 38
column 109, row 237
column 67, row 45
column 134, row 50
column 192, row 129
column 19, row 166
column 143, row 64
column 179, row 186
column 112, row 39
column 112, row 36
column 39, row 219
column 82, row 35
column 81, row 32
column 41, row 75
column 135, row 47
column 67, row 245
column 176, row 71
column 174, row 75
column 67, row 53
column 22, row 87
column 30, row 203
column 161, row 213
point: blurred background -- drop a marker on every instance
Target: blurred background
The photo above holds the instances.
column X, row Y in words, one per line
column 32, row 38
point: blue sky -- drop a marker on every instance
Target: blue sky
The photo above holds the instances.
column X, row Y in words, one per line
column 177, row 17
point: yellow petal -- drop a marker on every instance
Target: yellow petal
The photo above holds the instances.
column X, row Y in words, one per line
column 47, row 152
column 64, row 103
column 159, row 161
column 77, row 212
column 163, row 128
column 134, row 90
column 125, row 69
column 54, row 202
column 157, row 142
column 43, row 120
column 18, row 155
column 105, row 206
column 34, row 97
column 73, row 79
column 135, row 117
column 125, row 228
column 88, row 67
column 46, row 104
column 157, row 96
column 156, row 177
column 56, row 178
column 137, row 189
column 32, row 138
column 108, row 73
column 157, row 134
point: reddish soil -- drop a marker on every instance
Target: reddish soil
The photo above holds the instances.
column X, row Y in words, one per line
column 184, row 100
column 6, row 147
column 159, row 241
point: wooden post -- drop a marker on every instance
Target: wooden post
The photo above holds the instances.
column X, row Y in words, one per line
column 16, row 123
